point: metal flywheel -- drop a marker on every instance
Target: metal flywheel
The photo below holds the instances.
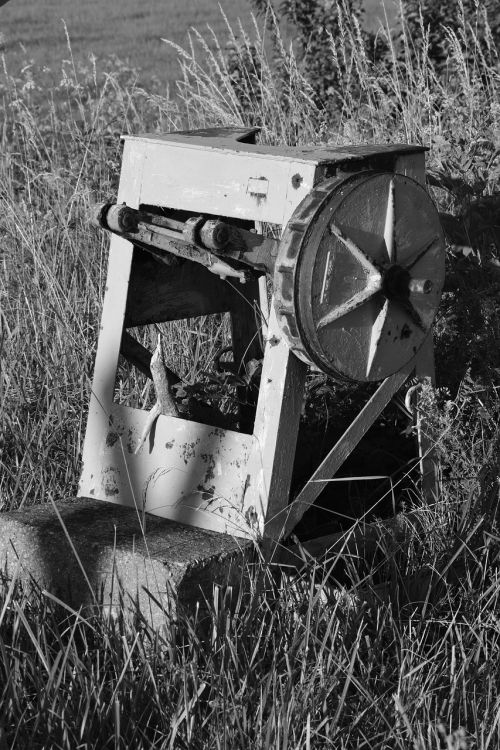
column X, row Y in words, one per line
column 359, row 275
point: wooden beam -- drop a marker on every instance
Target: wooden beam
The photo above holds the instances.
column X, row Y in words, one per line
column 275, row 431
column 344, row 447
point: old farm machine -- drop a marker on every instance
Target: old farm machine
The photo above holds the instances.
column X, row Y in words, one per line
column 356, row 278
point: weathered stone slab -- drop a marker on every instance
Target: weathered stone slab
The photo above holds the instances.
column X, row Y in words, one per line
column 91, row 553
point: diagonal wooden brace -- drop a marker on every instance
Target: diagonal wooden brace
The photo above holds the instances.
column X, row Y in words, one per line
column 344, row 447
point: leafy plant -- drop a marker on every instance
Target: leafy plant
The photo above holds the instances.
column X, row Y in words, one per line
column 315, row 24
column 432, row 25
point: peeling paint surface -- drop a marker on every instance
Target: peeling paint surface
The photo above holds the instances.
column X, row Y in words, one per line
column 192, row 473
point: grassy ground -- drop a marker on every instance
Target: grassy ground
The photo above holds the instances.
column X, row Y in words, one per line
column 130, row 30
column 402, row 653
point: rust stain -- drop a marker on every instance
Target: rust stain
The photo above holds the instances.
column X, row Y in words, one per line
column 116, row 431
column 131, row 440
column 188, row 452
column 217, row 432
column 110, row 481
column 210, row 472
column 208, row 493
column 251, row 516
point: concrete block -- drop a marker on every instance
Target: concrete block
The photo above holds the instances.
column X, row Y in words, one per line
column 89, row 553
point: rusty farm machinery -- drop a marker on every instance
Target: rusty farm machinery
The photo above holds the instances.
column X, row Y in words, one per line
column 356, row 278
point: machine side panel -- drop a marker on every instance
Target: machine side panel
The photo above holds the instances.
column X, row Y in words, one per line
column 224, row 183
column 186, row 471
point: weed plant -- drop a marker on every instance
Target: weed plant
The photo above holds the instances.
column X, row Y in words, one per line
column 401, row 654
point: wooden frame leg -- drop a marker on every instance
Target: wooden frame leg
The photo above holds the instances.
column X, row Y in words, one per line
column 106, row 362
column 275, row 432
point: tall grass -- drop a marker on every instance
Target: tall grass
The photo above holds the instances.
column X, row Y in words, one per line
column 301, row 663
column 60, row 153
column 247, row 82
column 399, row 652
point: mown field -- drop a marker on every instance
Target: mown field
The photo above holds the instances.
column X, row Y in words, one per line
column 400, row 652
column 130, row 30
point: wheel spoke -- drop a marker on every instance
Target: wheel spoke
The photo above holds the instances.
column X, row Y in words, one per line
column 374, row 285
column 355, row 251
column 390, row 220
column 421, row 252
column 375, row 336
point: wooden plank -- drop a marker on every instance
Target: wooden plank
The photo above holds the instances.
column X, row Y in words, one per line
column 233, row 182
column 185, row 471
column 316, row 155
column 344, row 447
column 276, row 428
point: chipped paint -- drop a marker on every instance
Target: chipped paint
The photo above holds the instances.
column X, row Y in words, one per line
column 111, row 439
column 195, row 477
column 210, row 461
column 188, row 451
column 111, row 482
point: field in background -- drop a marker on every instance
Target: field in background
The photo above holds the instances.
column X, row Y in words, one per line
column 129, row 29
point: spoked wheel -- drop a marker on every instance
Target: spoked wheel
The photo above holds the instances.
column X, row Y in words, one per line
column 359, row 275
